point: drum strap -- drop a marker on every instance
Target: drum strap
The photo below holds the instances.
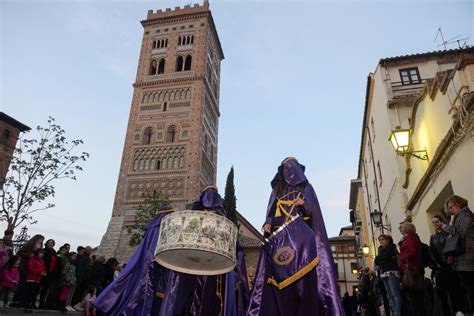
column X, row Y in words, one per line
column 280, row 207
column 219, row 291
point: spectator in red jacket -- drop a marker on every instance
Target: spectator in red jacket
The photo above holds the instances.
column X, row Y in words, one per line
column 409, row 248
column 9, row 277
column 412, row 269
column 35, row 270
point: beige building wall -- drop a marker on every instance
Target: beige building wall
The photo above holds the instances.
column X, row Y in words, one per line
column 452, row 170
column 432, row 109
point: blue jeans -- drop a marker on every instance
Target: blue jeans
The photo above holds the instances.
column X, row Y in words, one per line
column 392, row 285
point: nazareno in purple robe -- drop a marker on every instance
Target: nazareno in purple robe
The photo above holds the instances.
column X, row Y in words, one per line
column 225, row 295
column 314, row 293
column 139, row 286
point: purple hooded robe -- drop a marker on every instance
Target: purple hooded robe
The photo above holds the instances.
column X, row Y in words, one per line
column 316, row 292
column 141, row 283
column 225, row 295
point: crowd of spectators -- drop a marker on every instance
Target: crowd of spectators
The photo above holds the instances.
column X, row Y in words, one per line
column 41, row 277
column 399, row 284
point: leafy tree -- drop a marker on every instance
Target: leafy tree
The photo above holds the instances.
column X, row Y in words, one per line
column 230, row 201
column 146, row 212
column 36, row 164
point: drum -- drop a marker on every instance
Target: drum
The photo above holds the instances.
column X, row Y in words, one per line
column 197, row 242
column 291, row 252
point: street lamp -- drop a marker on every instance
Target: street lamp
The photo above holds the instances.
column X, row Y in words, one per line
column 355, row 271
column 401, row 142
column 365, row 250
column 377, row 220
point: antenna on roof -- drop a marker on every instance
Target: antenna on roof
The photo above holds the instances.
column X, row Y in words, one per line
column 462, row 42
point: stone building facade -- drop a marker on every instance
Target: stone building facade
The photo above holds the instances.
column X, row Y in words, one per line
column 10, row 130
column 344, row 254
column 172, row 133
column 430, row 95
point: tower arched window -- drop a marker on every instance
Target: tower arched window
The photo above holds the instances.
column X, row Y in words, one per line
column 153, row 67
column 158, row 165
column 179, row 63
column 179, row 41
column 192, row 39
column 187, row 63
column 147, row 136
column 161, row 67
column 136, row 165
column 171, row 134
column 164, row 107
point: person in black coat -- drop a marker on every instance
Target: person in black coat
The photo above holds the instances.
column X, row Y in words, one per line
column 110, row 266
column 55, row 280
column 446, row 280
column 49, row 259
column 387, row 263
column 83, row 270
column 98, row 274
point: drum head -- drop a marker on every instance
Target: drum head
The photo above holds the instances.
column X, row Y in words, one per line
column 194, row 261
column 197, row 242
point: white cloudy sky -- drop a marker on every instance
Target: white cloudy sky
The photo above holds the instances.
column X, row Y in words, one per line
column 293, row 83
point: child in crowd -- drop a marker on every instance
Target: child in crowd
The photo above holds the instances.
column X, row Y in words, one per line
column 69, row 281
column 35, row 270
column 89, row 310
column 9, row 277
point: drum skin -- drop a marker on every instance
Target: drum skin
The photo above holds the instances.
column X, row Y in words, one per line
column 197, row 242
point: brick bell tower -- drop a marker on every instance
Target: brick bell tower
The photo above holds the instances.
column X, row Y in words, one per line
column 171, row 139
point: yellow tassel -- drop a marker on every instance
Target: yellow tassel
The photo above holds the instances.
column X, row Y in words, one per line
column 280, row 207
column 160, row 295
column 295, row 277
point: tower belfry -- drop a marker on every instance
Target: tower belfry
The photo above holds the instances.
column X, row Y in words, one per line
column 171, row 139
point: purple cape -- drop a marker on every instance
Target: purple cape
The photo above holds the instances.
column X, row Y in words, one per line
column 265, row 298
column 133, row 291
column 196, row 294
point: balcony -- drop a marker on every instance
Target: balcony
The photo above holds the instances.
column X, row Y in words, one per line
column 405, row 92
column 157, row 51
column 174, row 75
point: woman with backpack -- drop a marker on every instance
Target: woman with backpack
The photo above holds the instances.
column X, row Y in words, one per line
column 411, row 269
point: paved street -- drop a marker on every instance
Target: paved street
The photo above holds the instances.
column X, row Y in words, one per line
column 21, row 311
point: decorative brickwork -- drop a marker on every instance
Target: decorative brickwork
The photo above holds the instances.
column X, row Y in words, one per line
column 171, row 138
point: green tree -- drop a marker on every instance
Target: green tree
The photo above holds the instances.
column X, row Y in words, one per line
column 37, row 163
column 230, row 201
column 145, row 213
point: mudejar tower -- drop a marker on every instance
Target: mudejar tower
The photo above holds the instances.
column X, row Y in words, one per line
column 171, row 139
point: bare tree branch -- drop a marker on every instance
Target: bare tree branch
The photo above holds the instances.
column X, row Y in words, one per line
column 36, row 164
